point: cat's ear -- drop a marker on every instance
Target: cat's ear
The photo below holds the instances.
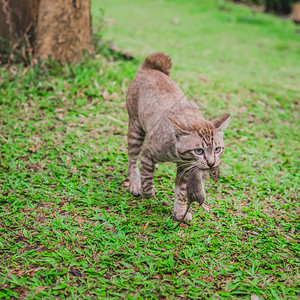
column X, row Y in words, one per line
column 178, row 128
column 222, row 123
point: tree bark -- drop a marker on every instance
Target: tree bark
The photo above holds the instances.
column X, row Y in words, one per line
column 63, row 30
column 17, row 21
column 60, row 29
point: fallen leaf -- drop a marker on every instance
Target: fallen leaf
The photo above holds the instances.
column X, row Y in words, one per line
column 79, row 220
column 110, row 168
column 33, row 149
column 75, row 272
column 181, row 272
column 126, row 184
column 175, row 21
column 243, row 138
column 39, row 289
column 203, row 77
column 3, row 138
column 146, row 226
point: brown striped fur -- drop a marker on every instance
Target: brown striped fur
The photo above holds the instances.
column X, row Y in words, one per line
column 165, row 127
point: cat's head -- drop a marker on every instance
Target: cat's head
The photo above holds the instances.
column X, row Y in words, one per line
column 200, row 142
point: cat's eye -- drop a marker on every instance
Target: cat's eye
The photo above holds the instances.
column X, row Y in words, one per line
column 199, row 151
column 217, row 149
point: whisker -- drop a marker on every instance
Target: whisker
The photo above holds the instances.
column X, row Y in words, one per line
column 182, row 173
column 185, row 164
column 225, row 167
column 182, row 161
column 186, row 171
column 189, row 171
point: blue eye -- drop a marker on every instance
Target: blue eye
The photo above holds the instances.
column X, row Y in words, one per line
column 217, row 150
column 199, row 151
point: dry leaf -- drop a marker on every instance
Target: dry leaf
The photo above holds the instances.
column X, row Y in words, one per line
column 3, row 138
column 203, row 77
column 39, row 289
column 243, row 138
column 33, row 149
column 79, row 220
column 146, row 226
column 75, row 272
column 175, row 21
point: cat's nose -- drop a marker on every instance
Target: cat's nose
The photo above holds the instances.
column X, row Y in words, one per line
column 210, row 164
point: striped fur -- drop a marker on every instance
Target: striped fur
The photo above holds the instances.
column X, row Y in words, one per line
column 165, row 127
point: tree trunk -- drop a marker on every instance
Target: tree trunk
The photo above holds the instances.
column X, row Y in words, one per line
column 17, row 21
column 63, row 30
column 60, row 29
column 279, row 6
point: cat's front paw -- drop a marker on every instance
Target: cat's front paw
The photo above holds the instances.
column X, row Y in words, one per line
column 135, row 189
column 178, row 216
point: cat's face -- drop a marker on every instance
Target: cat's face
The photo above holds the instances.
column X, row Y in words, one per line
column 202, row 143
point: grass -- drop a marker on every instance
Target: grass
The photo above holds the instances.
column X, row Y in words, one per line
column 69, row 227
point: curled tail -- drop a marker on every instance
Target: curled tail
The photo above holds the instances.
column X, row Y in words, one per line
column 158, row 61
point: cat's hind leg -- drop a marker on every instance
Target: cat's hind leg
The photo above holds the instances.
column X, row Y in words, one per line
column 147, row 173
column 135, row 137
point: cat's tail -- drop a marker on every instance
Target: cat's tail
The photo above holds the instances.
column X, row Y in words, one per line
column 158, row 61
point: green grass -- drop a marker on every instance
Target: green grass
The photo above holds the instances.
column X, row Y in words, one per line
column 69, row 227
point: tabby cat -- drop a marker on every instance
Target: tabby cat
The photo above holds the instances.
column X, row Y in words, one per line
column 165, row 127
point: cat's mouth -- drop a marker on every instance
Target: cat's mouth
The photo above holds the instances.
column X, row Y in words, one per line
column 207, row 168
column 201, row 168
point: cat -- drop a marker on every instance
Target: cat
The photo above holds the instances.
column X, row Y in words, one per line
column 165, row 127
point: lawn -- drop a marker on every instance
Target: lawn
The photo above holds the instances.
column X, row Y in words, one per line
column 70, row 228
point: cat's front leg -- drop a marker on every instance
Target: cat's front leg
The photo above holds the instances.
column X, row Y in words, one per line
column 147, row 173
column 181, row 196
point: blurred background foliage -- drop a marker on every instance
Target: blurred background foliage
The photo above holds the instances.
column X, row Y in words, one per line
column 276, row 6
